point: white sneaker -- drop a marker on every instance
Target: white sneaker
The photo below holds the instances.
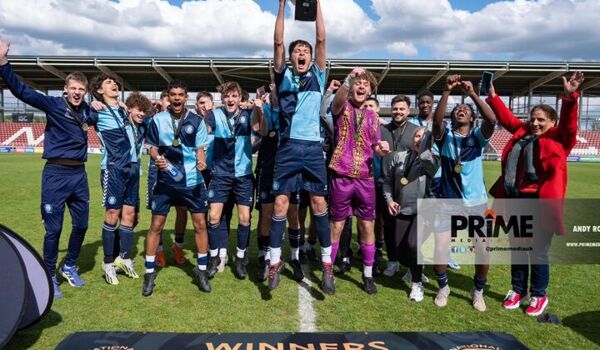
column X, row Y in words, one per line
column 392, row 268
column 126, row 265
column 416, row 292
column 224, row 260
column 110, row 273
column 478, row 301
column 441, row 299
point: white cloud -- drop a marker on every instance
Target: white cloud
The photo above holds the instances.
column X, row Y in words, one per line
column 520, row 29
column 403, row 48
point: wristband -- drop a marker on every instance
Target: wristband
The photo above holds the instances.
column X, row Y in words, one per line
column 348, row 81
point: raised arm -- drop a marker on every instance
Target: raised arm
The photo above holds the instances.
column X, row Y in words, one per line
column 334, row 85
column 278, row 46
column 342, row 92
column 504, row 115
column 259, row 124
column 273, row 96
column 567, row 124
column 489, row 118
column 320, row 51
column 438, row 117
column 16, row 87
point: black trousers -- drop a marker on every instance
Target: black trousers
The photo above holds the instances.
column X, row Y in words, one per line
column 406, row 244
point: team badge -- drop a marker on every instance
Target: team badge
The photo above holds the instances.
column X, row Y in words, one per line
column 189, row 129
column 112, row 200
column 153, row 205
column 470, row 142
column 211, row 193
column 275, row 185
column 263, row 195
column 48, row 208
column 243, row 120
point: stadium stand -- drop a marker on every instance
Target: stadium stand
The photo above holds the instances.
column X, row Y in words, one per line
column 15, row 135
column 32, row 135
column 588, row 143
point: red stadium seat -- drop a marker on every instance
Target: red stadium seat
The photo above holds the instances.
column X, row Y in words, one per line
column 31, row 135
column 588, row 142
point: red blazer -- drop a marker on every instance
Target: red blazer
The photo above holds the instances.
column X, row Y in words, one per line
column 554, row 147
column 551, row 162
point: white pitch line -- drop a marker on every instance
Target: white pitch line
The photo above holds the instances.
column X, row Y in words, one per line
column 305, row 304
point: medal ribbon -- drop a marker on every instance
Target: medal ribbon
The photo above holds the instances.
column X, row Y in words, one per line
column 357, row 124
column 458, row 156
column 76, row 115
column 177, row 129
column 236, row 118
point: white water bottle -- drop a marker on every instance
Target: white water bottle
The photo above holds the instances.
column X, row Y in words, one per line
column 172, row 170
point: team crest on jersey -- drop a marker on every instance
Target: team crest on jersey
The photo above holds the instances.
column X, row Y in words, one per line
column 189, row 129
column 309, row 74
column 263, row 195
column 48, row 208
column 153, row 205
column 112, row 200
column 470, row 142
column 243, row 120
column 275, row 185
column 211, row 193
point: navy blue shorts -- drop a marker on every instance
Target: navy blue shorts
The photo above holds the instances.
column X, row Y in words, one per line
column 192, row 198
column 264, row 185
column 207, row 176
column 242, row 188
column 152, row 178
column 120, row 186
column 300, row 165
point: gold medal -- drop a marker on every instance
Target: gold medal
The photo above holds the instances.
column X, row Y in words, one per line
column 176, row 143
column 272, row 134
column 85, row 127
column 404, row 181
column 458, row 168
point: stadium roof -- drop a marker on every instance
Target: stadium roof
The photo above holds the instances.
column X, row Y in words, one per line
column 395, row 76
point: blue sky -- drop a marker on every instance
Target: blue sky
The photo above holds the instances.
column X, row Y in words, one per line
column 382, row 29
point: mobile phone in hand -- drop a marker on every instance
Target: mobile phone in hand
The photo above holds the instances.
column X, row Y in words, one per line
column 486, row 81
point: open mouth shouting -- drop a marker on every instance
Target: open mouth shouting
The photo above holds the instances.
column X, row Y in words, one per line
column 231, row 106
column 76, row 99
column 302, row 65
column 177, row 106
column 360, row 95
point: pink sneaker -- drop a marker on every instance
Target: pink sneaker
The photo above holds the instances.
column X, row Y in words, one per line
column 537, row 306
column 513, row 300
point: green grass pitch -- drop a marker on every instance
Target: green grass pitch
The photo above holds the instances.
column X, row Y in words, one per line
column 246, row 306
